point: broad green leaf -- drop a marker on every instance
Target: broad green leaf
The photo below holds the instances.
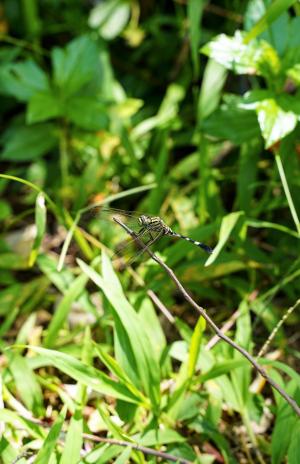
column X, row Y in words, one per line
column 63, row 308
column 277, row 31
column 257, row 57
column 28, row 143
column 110, row 18
column 274, row 123
column 23, row 80
column 43, row 106
column 40, row 222
column 49, row 444
column 74, row 440
column 232, row 123
column 75, row 65
column 86, row 112
column 85, row 374
column 227, row 225
column 294, row 37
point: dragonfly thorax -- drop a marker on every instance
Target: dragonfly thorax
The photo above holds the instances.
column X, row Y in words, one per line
column 153, row 223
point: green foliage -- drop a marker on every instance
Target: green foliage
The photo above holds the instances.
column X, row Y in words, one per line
column 178, row 109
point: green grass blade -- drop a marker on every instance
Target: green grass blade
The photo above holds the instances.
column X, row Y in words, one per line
column 85, row 374
column 48, row 447
column 74, row 440
column 63, row 308
column 138, row 346
column 40, row 222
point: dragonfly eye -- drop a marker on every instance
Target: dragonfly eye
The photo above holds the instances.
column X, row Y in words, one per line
column 143, row 220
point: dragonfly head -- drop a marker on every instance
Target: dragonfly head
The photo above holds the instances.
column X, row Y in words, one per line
column 144, row 220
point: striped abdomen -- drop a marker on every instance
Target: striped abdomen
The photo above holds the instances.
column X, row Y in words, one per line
column 195, row 242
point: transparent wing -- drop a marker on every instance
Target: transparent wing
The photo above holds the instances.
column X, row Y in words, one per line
column 147, row 245
column 132, row 248
column 100, row 214
column 102, row 221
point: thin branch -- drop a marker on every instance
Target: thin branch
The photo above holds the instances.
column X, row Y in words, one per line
column 227, row 326
column 211, row 323
column 112, row 441
column 137, row 447
column 275, row 330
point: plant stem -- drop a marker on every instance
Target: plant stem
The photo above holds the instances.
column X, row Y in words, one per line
column 63, row 154
column 287, row 191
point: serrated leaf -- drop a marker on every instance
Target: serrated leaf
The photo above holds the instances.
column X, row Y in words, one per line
column 75, row 65
column 87, row 113
column 23, row 80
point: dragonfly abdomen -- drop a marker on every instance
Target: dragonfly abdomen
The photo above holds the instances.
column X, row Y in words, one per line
column 207, row 248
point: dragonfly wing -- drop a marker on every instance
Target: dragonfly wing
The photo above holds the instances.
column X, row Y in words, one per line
column 108, row 214
column 153, row 238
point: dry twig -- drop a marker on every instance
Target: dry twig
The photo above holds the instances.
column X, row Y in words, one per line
column 211, row 323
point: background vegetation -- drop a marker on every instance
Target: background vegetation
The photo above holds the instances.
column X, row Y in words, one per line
column 184, row 109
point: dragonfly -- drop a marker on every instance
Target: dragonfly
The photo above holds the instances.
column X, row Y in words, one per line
column 147, row 229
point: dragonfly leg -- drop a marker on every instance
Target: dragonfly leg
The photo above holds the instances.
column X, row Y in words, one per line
column 147, row 245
